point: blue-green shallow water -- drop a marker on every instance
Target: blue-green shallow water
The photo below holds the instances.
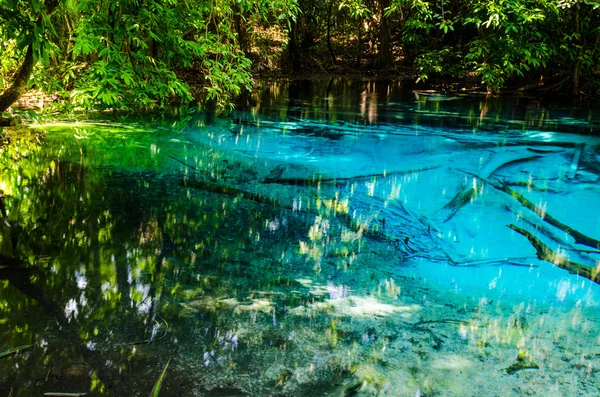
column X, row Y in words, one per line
column 303, row 247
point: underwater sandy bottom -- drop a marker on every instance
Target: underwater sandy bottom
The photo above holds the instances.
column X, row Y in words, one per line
column 391, row 321
column 405, row 331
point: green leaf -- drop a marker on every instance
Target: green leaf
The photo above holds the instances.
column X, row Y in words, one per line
column 156, row 389
column 14, row 350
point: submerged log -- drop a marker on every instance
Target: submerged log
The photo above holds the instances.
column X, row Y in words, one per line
column 545, row 253
column 579, row 237
column 319, row 178
column 465, row 195
column 545, row 150
column 519, row 262
column 540, row 226
column 344, row 218
column 232, row 191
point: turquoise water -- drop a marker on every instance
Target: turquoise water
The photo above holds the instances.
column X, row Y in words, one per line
column 328, row 240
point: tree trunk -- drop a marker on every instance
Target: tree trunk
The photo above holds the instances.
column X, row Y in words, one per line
column 13, row 92
column 293, row 46
column 154, row 49
column 577, row 66
column 385, row 52
column 242, row 33
column 329, row 46
column 359, row 45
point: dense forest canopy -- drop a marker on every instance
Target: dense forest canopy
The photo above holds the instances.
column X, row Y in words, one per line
column 147, row 54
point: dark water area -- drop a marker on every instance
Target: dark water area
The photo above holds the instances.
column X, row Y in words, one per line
column 396, row 102
column 327, row 239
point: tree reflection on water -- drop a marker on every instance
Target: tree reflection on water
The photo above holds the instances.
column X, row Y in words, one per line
column 121, row 243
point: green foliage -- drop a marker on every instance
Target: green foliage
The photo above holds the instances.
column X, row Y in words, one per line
column 438, row 62
column 134, row 54
column 356, row 8
column 500, row 41
column 149, row 54
column 156, row 389
column 510, row 40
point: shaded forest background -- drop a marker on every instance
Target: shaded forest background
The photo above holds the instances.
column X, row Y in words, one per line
column 148, row 54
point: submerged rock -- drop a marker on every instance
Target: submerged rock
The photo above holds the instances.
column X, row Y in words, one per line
column 276, row 172
column 524, row 361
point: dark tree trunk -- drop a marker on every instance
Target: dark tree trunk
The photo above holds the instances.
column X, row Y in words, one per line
column 240, row 28
column 154, row 49
column 385, row 51
column 359, row 44
column 293, row 46
column 577, row 66
column 13, row 92
column 329, row 46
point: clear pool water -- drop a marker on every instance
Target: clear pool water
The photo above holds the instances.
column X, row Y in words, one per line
column 332, row 239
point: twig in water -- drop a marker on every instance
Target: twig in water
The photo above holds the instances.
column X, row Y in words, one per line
column 318, row 179
column 186, row 164
column 232, row 191
column 498, row 262
column 150, row 340
column 448, row 321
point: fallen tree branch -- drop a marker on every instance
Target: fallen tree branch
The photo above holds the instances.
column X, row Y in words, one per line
column 498, row 262
column 232, row 191
column 464, row 196
column 579, row 237
column 545, row 253
column 545, row 151
column 318, row 179
column 344, row 218
column 201, row 171
column 540, row 226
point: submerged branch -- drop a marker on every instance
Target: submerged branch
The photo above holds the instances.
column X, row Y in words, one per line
column 579, row 237
column 521, row 262
column 464, row 196
column 232, row 191
column 316, row 180
column 449, row 321
column 344, row 218
column 545, row 253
